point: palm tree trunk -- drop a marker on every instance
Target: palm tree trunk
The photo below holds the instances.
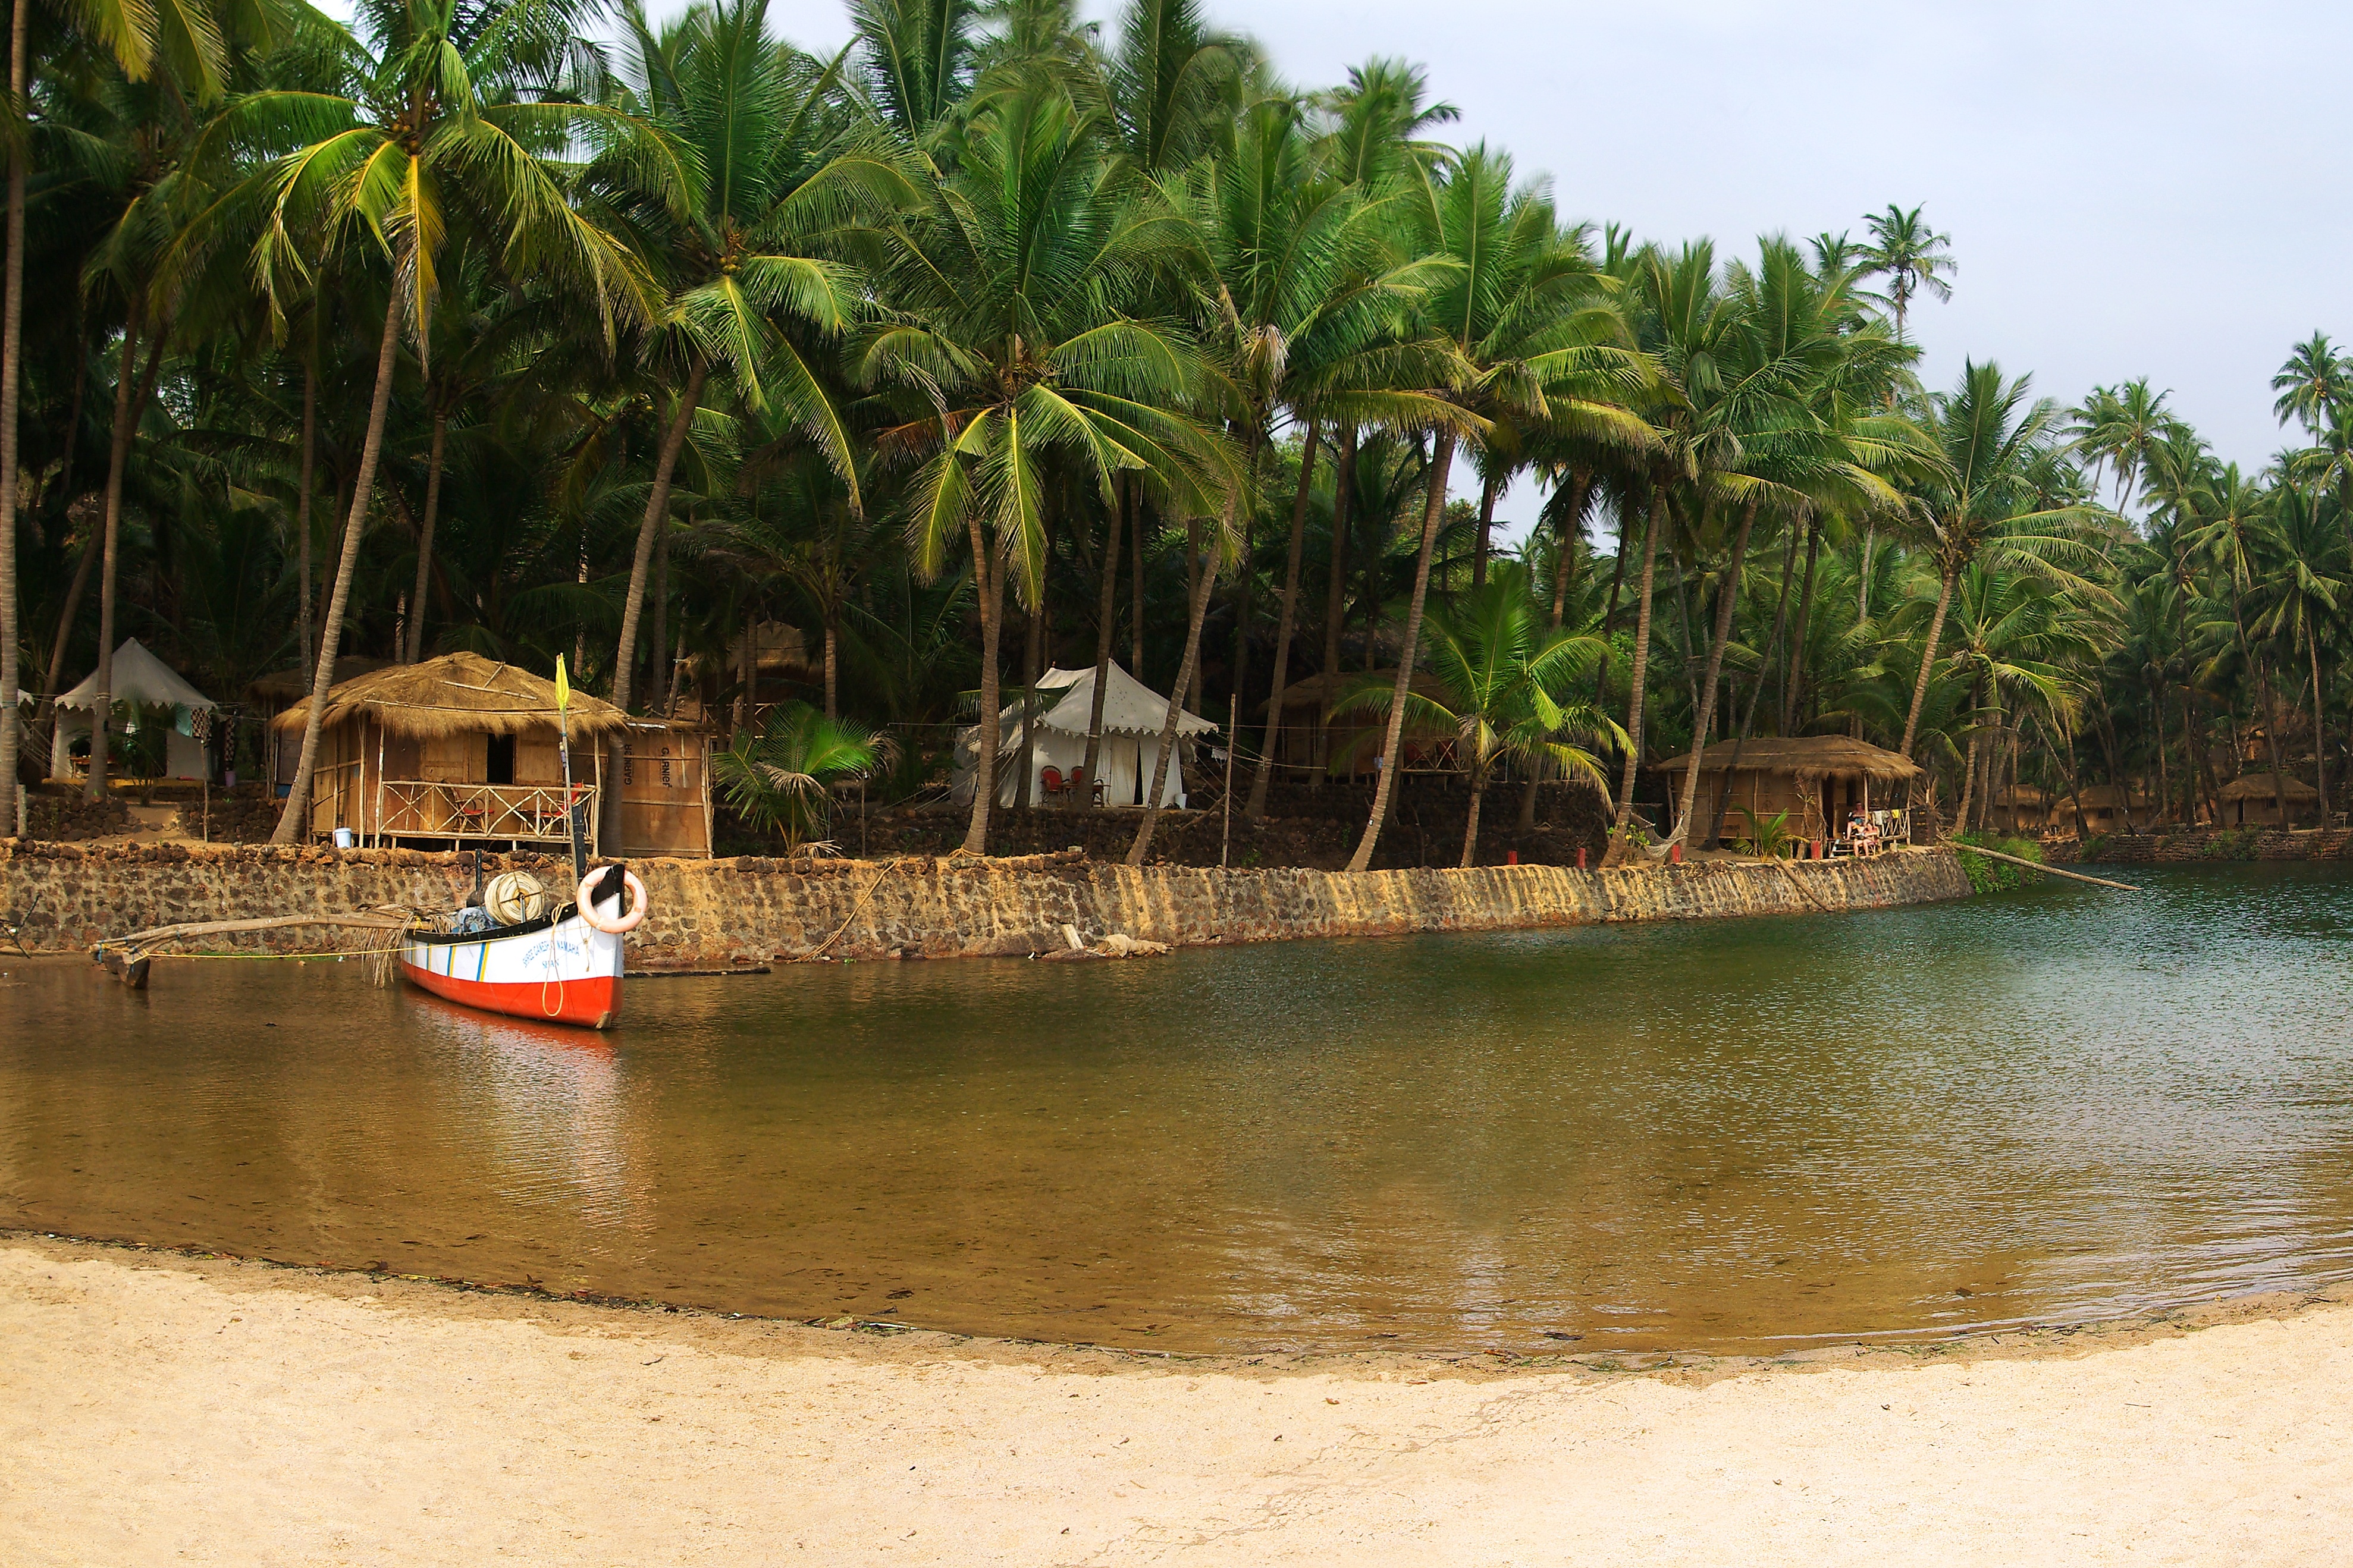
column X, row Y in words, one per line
column 415, row 649
column 1755, row 690
column 1192, row 695
column 658, row 648
column 1107, row 610
column 1928, row 659
column 1273, row 733
column 992, row 574
column 1580, row 486
column 625, row 660
column 1471, row 824
column 126, row 416
column 1726, row 599
column 2164, row 773
column 1335, row 598
column 1433, row 512
column 1196, row 611
column 1640, row 672
column 1863, row 584
column 295, row 819
column 74, row 591
column 1793, row 692
column 832, row 660
column 2320, row 731
column 11, row 361
column 1033, row 640
column 1135, row 592
column 302, row 507
column 1486, row 526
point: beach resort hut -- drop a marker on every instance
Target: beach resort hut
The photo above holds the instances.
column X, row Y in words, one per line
column 1820, row 779
column 1133, row 716
column 2022, row 808
column 271, row 694
column 462, row 750
column 2104, row 809
column 1346, row 754
column 2267, row 800
column 153, row 692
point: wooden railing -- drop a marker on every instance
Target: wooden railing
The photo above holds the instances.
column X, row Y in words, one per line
column 422, row 808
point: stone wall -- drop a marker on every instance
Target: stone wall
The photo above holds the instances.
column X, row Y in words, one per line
column 2221, row 844
column 62, row 897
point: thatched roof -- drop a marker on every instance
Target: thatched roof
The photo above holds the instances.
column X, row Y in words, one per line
column 1805, row 756
column 2259, row 786
column 1312, row 691
column 2021, row 795
column 776, row 649
column 292, row 685
column 457, row 694
column 2104, row 798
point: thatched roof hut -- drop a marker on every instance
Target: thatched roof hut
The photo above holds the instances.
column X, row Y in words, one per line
column 457, row 693
column 2267, row 799
column 465, row 748
column 283, row 686
column 1818, row 780
column 1295, row 729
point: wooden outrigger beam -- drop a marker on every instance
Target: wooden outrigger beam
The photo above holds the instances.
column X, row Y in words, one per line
column 2047, row 870
column 125, row 957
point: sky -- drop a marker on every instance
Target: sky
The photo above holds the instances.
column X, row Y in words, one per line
column 2146, row 189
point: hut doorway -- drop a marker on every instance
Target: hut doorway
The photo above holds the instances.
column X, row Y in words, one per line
column 499, row 764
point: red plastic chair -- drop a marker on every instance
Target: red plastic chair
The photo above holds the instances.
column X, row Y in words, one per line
column 1050, row 779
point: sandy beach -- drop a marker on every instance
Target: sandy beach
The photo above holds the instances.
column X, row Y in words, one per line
column 156, row 1408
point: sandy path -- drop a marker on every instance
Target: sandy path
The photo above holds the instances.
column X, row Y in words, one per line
column 153, row 1410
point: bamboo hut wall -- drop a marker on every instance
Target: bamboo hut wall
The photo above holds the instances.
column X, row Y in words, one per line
column 665, row 793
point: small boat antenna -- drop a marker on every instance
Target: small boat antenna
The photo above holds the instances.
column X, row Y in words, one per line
column 563, row 746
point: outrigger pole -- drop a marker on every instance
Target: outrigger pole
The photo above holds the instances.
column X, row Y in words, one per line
column 563, row 746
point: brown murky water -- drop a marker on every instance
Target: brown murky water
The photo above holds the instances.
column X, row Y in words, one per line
column 1741, row 1135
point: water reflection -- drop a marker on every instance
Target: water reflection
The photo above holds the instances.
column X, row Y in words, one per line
column 1738, row 1134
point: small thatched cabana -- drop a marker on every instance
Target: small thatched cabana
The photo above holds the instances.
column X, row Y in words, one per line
column 463, row 749
column 2267, row 800
column 2022, row 808
column 1820, row 779
column 2106, row 808
column 1292, row 738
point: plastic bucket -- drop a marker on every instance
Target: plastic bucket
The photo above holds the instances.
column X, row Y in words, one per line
column 345, row 838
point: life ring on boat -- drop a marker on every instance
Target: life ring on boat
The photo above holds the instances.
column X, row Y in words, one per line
column 616, row 925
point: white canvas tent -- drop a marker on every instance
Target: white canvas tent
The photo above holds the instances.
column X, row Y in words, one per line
column 140, row 678
column 1133, row 715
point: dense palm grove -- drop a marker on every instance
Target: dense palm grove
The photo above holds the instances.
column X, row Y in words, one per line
column 999, row 342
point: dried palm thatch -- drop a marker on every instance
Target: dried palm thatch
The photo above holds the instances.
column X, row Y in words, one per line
column 2262, row 786
column 457, row 694
column 1807, row 756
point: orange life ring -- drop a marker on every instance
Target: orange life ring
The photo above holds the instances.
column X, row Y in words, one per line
column 617, row 925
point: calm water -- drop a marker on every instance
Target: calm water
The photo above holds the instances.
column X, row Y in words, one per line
column 1741, row 1135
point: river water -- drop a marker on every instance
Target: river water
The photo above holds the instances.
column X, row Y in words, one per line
column 2048, row 1106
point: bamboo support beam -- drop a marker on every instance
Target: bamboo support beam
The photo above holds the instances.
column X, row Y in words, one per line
column 372, row 922
column 2048, row 871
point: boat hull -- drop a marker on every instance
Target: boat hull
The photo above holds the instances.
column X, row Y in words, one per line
column 561, row 971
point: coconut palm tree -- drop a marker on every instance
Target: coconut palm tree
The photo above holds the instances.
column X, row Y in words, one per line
column 1914, row 258
column 450, row 105
column 1984, row 504
column 1011, row 288
column 1504, row 680
column 2302, row 592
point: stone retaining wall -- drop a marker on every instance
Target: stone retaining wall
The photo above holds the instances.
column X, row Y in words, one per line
column 62, row 897
column 2221, row 843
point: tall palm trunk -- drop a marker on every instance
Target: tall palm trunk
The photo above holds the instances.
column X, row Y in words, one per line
column 1273, row 733
column 1928, row 657
column 1032, row 645
column 1335, row 598
column 1726, row 599
column 415, row 648
column 12, row 360
column 1793, row 691
column 1471, row 823
column 657, row 649
column 1107, row 610
column 625, row 660
column 2164, row 770
column 1580, row 483
column 294, row 821
column 1969, row 767
column 991, row 571
column 1433, row 511
column 1486, row 527
column 832, row 659
column 90, row 550
column 1196, row 611
column 2319, row 730
column 126, row 415
column 1135, row 592
column 1636, row 676
column 302, row 506
column 1862, row 585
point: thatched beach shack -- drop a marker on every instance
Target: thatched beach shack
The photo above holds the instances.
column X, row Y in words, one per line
column 2104, row 808
column 1305, row 700
column 2021, row 808
column 463, row 749
column 1820, row 779
column 272, row 694
column 2267, row 800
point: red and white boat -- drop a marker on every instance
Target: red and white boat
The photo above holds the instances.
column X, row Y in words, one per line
column 561, row 970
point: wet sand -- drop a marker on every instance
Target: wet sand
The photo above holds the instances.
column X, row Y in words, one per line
column 156, row 1408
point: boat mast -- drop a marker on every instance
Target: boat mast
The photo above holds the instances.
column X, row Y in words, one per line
column 564, row 748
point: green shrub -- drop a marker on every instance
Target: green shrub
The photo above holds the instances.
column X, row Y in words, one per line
column 1767, row 837
column 1999, row 875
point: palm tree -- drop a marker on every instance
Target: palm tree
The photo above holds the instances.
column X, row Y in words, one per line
column 2120, row 428
column 2315, row 382
column 1505, row 680
column 1011, row 287
column 460, row 105
column 775, row 170
column 780, row 778
column 1985, row 503
column 2301, row 591
column 1911, row 256
column 1534, row 338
